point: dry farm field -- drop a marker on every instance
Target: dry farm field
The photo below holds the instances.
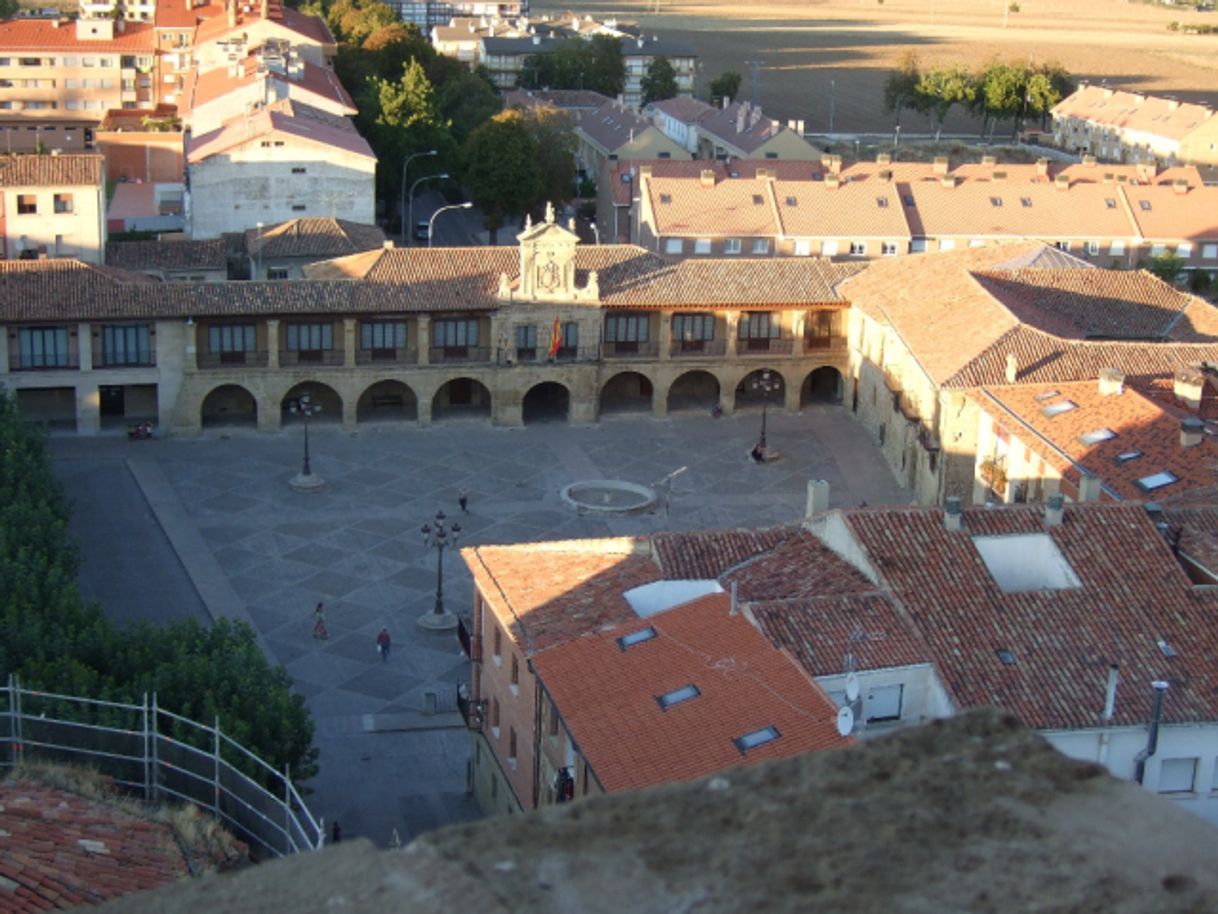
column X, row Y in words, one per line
column 818, row 55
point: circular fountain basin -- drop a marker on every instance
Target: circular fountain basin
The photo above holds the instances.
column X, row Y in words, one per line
column 608, row 496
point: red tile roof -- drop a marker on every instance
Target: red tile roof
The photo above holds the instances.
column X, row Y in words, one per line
column 52, row 34
column 181, row 14
column 172, row 255
column 1133, row 112
column 313, row 28
column 51, row 171
column 302, row 122
column 703, row 555
column 739, row 207
column 856, row 209
column 1133, row 594
column 314, row 237
column 607, row 697
column 318, row 81
column 1166, row 213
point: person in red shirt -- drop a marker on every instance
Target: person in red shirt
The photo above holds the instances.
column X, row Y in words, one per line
column 382, row 644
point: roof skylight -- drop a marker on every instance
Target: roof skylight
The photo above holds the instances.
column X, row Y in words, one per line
column 995, row 201
column 881, row 202
column 1145, row 204
column 1157, row 481
column 791, row 201
column 1110, row 203
column 758, row 199
column 1047, row 395
column 1025, row 201
column 1098, row 435
column 756, row 738
column 665, row 198
column 1005, row 656
column 1056, row 409
column 630, row 640
column 676, row 696
column 1128, row 456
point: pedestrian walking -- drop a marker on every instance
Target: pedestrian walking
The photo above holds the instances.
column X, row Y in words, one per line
column 463, row 501
column 319, row 623
column 382, row 644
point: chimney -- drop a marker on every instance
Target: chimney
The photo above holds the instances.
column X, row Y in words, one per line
column 817, row 501
column 1192, row 430
column 1062, row 182
column 1088, row 160
column 1180, row 186
column 1042, row 168
column 387, row 244
column 735, row 602
column 1012, row 368
column 947, row 180
column 1145, row 172
column 265, row 9
column 1188, row 384
column 832, row 180
column 883, row 159
column 1088, row 486
column 726, row 101
column 951, row 514
column 1110, row 694
column 1054, row 510
column 940, row 165
column 707, row 177
column 231, row 6
column 644, row 171
column 1112, row 382
column 835, row 164
column 1173, row 104
column 990, row 161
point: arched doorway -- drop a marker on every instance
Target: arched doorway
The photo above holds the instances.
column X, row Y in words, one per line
column 461, row 398
column 626, row 392
column 387, row 400
column 320, row 395
column 694, row 390
column 546, row 402
column 229, row 405
column 765, row 385
column 823, row 385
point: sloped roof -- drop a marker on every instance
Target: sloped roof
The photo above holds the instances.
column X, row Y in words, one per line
column 608, row 697
column 1164, row 212
column 51, row 170
column 167, row 255
column 314, row 237
column 739, row 207
column 563, row 99
column 219, row 81
column 613, row 126
column 684, row 108
column 300, row 121
column 758, row 129
column 60, row 35
column 849, row 210
column 1129, row 111
column 302, row 25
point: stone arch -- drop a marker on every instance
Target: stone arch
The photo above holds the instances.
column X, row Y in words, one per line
column 751, row 396
column 228, row 405
column 626, row 392
column 548, row 401
column 320, row 394
column 822, row 385
column 387, row 400
column 461, row 398
column 693, row 390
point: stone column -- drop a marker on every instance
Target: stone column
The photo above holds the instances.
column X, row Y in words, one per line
column 422, row 344
column 791, row 393
column 659, row 398
column 272, row 348
column 4, row 369
column 730, row 320
column 84, row 343
column 190, row 358
column 424, row 407
column 349, row 342
column 88, row 408
column 665, row 335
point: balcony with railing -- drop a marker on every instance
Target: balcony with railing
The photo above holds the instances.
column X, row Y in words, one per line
column 252, row 359
column 394, row 356
column 630, row 350
column 470, row 644
column 448, row 355
column 824, row 344
column 765, row 346
column 697, row 348
column 53, row 361
column 326, row 357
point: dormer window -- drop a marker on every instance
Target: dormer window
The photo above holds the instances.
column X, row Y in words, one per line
column 881, row 202
column 758, row 199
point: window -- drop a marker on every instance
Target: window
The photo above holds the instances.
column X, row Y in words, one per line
column 665, row 198
column 673, row 246
column 71, row 83
column 552, row 727
column 1110, row 203
column 908, row 200
column 88, row 61
column 1209, row 251
column 828, row 249
column 310, row 340
column 995, row 201
column 276, row 272
column 1177, row 775
column 1097, row 436
column 888, row 248
column 232, row 341
column 676, row 696
column 526, row 341
column 1062, row 245
column 1117, row 248
column 1157, row 481
column 27, row 205
column 665, row 155
column 44, row 347
column 758, row 325
column 1006, row 656
column 792, row 201
column 497, row 643
column 758, row 199
column 454, row 334
column 1093, row 248
column 803, row 248
column 858, row 248
column 884, row 703
column 626, row 328
column 1158, row 250
column 756, row 738
column 881, row 202
column 570, row 339
column 1184, row 249
column 1025, row 201
column 761, row 246
column 1128, row 456
column 298, row 169
column 630, row 640
column 702, row 246
column 731, row 246
column 1145, row 205
column 298, row 207
column 693, row 327
column 515, row 674
column 1056, row 409
column 126, row 345
column 382, row 337
column 495, row 716
column 947, row 244
column 771, row 155
column 512, row 747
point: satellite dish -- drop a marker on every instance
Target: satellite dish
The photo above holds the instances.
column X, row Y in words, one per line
column 852, row 687
column 845, row 720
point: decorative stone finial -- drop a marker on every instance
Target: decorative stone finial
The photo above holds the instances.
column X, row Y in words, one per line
column 528, row 221
column 505, row 290
column 593, row 287
column 549, row 213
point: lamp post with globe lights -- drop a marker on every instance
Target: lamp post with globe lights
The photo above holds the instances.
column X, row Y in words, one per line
column 765, row 384
column 439, row 536
column 304, row 407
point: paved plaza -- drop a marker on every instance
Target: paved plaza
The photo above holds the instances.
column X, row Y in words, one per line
column 209, row 527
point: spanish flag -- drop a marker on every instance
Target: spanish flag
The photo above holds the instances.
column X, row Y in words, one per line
column 556, row 339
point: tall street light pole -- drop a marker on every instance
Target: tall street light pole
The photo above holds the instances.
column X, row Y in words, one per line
column 765, row 384
column 443, row 176
column 439, row 537
column 304, row 407
column 405, row 166
column 431, row 223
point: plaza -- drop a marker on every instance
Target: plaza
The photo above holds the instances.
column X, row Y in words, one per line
column 209, row 527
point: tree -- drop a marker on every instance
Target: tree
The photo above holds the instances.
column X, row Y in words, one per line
column 501, row 170
column 1167, row 266
column 8, row 8
column 553, row 133
column 724, row 86
column 576, row 64
column 1003, row 88
column 606, row 69
column 901, row 85
column 659, row 82
column 940, row 89
column 465, row 103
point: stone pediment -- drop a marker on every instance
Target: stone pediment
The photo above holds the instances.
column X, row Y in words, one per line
column 547, row 263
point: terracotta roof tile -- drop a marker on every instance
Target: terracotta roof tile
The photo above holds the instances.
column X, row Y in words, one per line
column 613, row 126
column 757, row 129
column 563, row 99
column 735, row 207
column 51, row 171
column 301, row 121
column 315, row 237
column 314, row 28
column 705, row 555
column 684, row 109
column 52, row 34
column 608, row 697
column 1129, row 111
column 170, row 255
column 799, row 567
column 849, row 210
column 219, row 81
column 1165, row 213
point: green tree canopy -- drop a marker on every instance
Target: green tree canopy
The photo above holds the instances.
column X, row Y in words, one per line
column 660, row 81
column 8, row 8
column 465, row 103
column 901, row 85
column 594, row 64
column 725, row 85
column 1167, row 266
column 553, row 133
column 940, row 89
column 501, row 169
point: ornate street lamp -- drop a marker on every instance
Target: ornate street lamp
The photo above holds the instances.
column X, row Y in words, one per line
column 304, row 407
column 765, row 384
column 402, row 208
column 439, row 537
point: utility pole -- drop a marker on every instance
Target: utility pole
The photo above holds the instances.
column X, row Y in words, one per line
column 755, row 78
column 832, row 91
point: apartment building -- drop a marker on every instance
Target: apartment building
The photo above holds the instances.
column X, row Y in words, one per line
column 738, row 130
column 281, row 161
column 640, row 52
column 52, row 206
column 614, row 132
column 427, row 14
column 229, row 37
column 1121, row 126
